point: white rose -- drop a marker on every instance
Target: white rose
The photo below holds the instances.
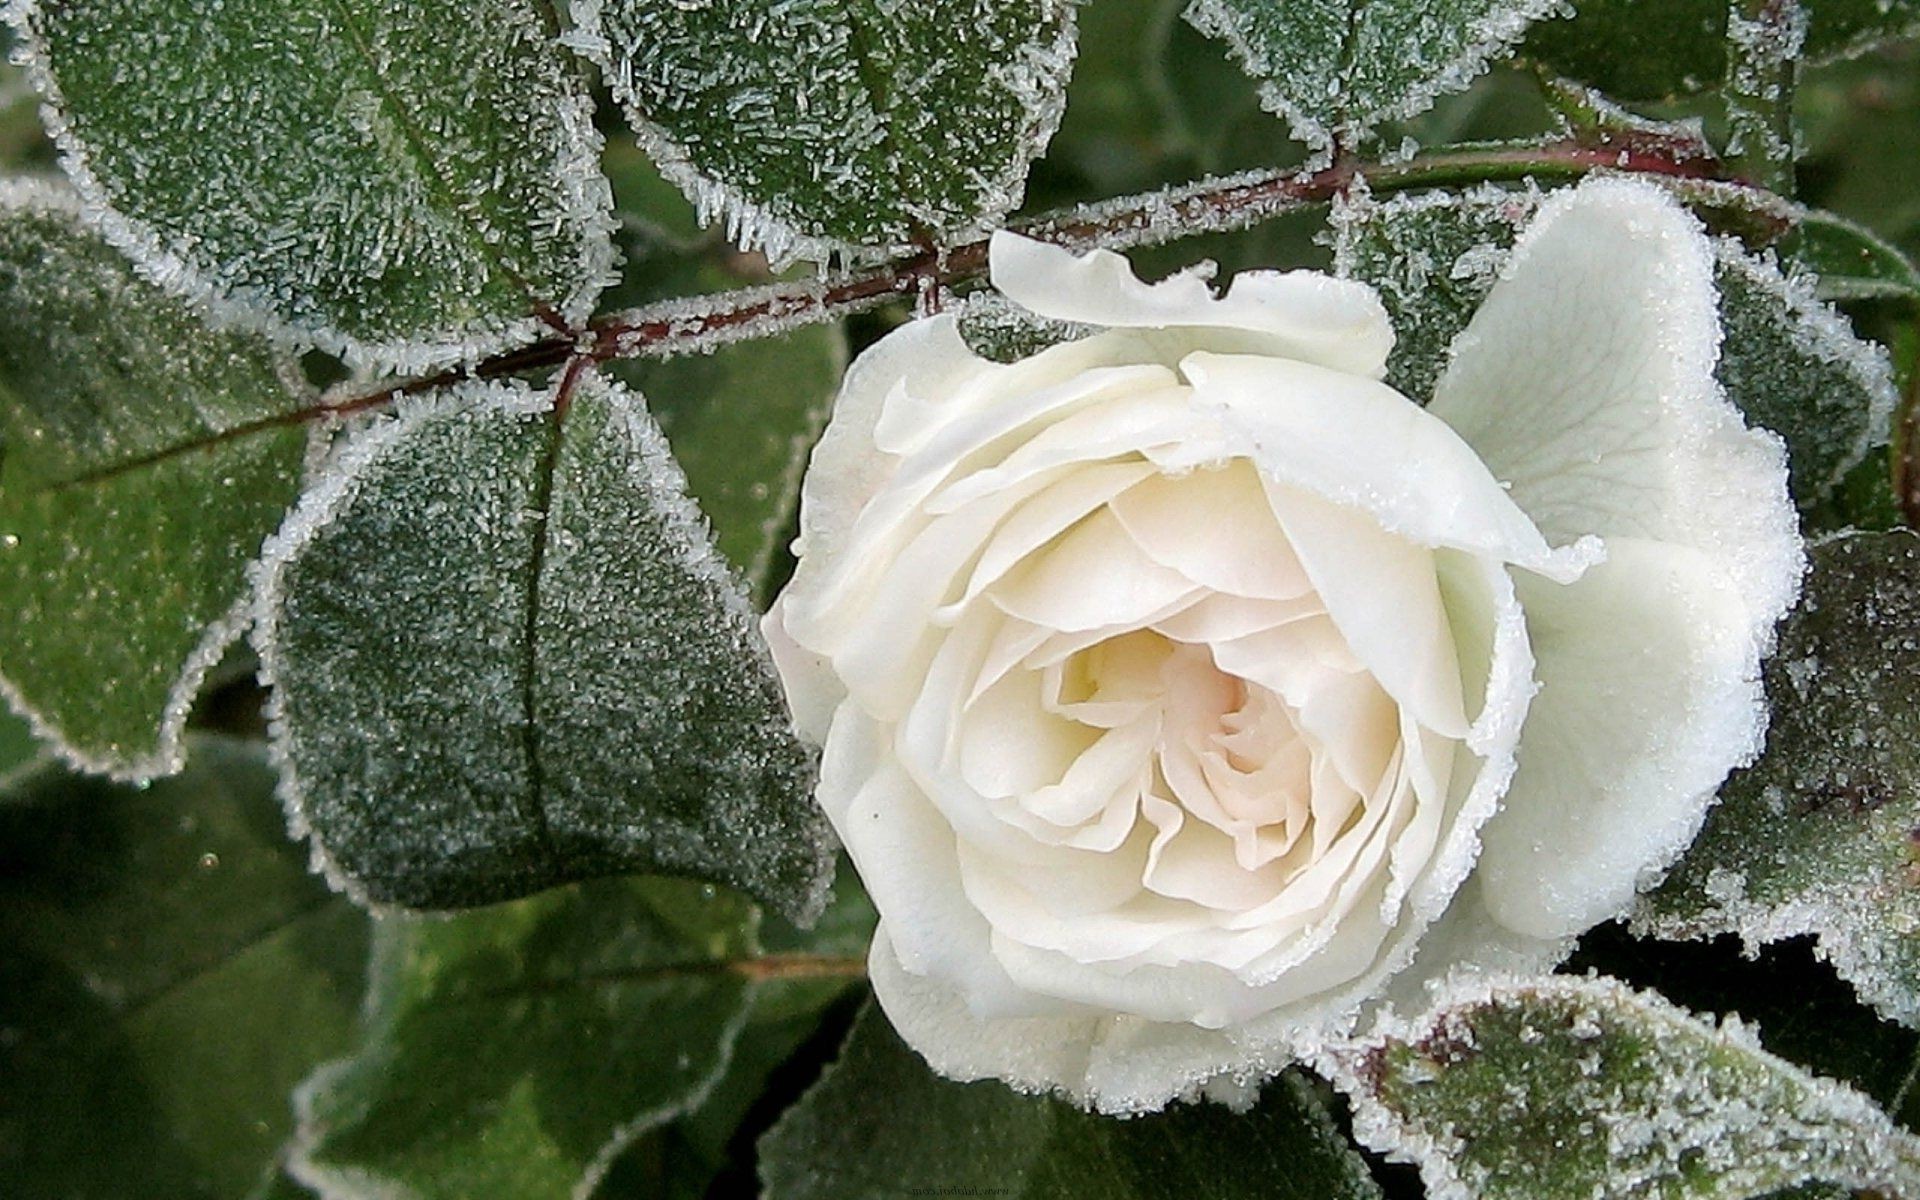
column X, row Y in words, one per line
column 1179, row 684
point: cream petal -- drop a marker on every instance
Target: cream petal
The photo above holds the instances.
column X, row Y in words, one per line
column 813, row 690
column 907, row 860
column 1093, row 577
column 1586, row 383
column 1216, row 528
column 1362, row 445
column 1353, row 563
column 1649, row 695
column 1298, row 314
column 1048, row 514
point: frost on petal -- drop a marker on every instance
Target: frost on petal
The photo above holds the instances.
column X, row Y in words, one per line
column 1565, row 1089
column 1818, row 836
column 1648, row 696
column 1295, row 314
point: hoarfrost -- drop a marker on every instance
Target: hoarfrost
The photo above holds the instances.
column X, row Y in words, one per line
column 408, row 185
column 824, row 128
column 1335, row 69
column 1822, row 835
column 1579, row 1087
column 504, row 655
column 121, row 557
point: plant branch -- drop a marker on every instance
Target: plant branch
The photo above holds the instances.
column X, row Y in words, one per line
column 699, row 324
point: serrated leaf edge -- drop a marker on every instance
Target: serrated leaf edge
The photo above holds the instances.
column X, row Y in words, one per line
column 1379, row 1129
column 577, row 170
column 751, row 225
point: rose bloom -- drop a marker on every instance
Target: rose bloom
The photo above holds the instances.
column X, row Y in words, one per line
column 1186, row 693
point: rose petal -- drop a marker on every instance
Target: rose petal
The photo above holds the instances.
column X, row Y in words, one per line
column 1585, row 381
column 1299, row 314
column 1649, row 695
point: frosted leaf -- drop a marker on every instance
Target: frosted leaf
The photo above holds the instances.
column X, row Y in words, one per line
column 809, row 126
column 1433, row 257
column 1850, row 261
column 1787, row 360
column 1335, row 69
column 1680, row 46
column 517, row 1049
column 740, row 418
column 1819, row 836
column 408, row 183
column 996, row 328
column 504, row 655
column 941, row 1137
column 1581, row 1088
column 1794, row 365
column 143, row 469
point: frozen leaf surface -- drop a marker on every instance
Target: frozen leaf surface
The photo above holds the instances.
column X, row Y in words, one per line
column 1334, row 69
column 813, row 125
column 519, row 1049
column 983, row 1139
column 169, row 970
column 1564, row 1088
column 740, row 420
column 1852, row 262
column 1818, row 836
column 1790, row 362
column 143, row 469
column 1634, row 50
column 505, row 656
column 411, row 183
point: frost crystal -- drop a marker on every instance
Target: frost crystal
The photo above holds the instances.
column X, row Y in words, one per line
column 505, row 621
column 1580, row 1088
column 1819, row 837
column 143, row 468
column 1791, row 363
column 1335, row 69
column 410, row 184
column 819, row 126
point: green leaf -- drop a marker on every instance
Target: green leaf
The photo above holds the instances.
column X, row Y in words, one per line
column 1818, row 836
column 682, row 1159
column 147, row 458
column 409, row 183
column 1793, row 365
column 983, row 1139
column 740, row 420
column 1560, row 1087
column 518, row 1050
column 1335, row 69
column 1433, row 257
column 505, row 656
column 1851, row 261
column 171, row 970
column 1651, row 49
column 1788, row 361
column 817, row 125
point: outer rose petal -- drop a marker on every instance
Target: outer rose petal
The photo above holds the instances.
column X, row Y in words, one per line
column 1586, row 382
column 1302, row 315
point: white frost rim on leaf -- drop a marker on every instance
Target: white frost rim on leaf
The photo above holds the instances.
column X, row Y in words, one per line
column 753, row 225
column 168, row 755
column 1822, row 334
column 576, row 171
column 337, row 485
column 1878, row 1154
column 1488, row 35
